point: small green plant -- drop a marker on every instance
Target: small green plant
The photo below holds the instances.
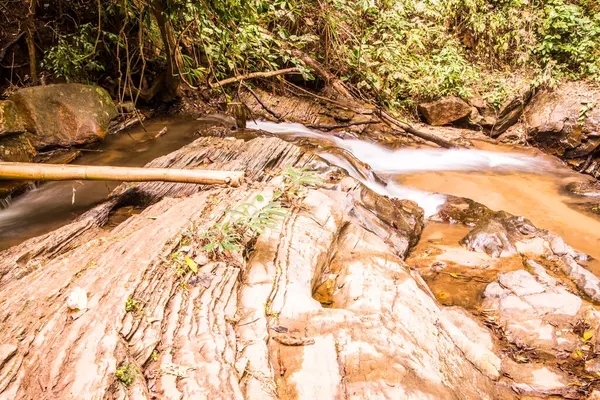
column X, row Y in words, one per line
column 295, row 182
column 154, row 355
column 220, row 238
column 254, row 218
column 584, row 111
column 126, row 373
column 247, row 220
column 132, row 305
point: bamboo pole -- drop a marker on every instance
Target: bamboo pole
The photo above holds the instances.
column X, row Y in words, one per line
column 61, row 172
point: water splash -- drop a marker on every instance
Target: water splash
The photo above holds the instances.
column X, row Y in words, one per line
column 382, row 160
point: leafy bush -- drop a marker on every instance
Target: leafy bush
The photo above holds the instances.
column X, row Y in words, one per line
column 570, row 38
column 76, row 56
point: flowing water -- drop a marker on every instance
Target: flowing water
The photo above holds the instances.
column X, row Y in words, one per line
column 54, row 204
column 522, row 182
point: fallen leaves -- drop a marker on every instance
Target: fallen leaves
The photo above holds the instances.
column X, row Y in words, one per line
column 293, row 341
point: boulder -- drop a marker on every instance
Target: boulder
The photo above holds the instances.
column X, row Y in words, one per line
column 64, row 114
column 444, row 111
column 9, row 120
column 565, row 122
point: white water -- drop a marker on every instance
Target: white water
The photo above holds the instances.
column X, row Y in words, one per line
column 403, row 161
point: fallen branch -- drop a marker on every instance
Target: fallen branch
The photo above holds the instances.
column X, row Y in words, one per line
column 268, row 74
column 56, row 172
column 340, row 88
column 267, row 109
column 328, row 128
column 12, row 41
column 409, row 129
column 327, row 76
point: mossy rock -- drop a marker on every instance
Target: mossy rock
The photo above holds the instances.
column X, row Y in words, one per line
column 64, row 114
column 9, row 120
column 16, row 148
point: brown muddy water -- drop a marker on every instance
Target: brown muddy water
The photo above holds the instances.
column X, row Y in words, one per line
column 522, row 182
column 54, row 204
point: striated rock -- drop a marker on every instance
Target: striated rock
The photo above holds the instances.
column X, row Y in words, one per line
column 64, row 114
column 511, row 111
column 256, row 332
column 539, row 380
column 445, row 111
column 9, row 119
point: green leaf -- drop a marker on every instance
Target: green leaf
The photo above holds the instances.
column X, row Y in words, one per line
column 454, row 276
column 587, row 335
column 579, row 353
column 192, row 264
column 260, row 198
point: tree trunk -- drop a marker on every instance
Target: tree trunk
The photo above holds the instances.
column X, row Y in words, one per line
column 167, row 32
column 56, row 172
column 31, row 41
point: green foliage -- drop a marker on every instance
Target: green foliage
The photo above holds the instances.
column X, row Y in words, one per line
column 126, row 373
column 400, row 52
column 221, row 238
column 234, row 37
column 76, row 56
column 247, row 221
column 295, row 182
column 131, row 305
column 569, row 38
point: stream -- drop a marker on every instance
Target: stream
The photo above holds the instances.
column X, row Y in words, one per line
column 520, row 181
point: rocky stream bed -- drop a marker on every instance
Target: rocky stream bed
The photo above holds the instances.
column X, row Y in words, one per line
column 353, row 294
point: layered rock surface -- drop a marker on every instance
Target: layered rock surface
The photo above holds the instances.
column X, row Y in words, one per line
column 527, row 285
column 255, row 331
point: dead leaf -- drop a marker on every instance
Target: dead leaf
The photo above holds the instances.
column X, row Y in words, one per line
column 191, row 264
column 293, row 341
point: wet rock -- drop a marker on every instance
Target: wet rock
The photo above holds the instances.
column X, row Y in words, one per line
column 459, row 210
column 64, row 114
column 589, row 188
column 497, row 235
column 445, row 111
column 538, row 380
column 16, row 148
column 565, row 122
column 9, row 119
column 535, row 312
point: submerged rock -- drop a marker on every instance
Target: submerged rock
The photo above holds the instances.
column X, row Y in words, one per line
column 445, row 111
column 64, row 114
